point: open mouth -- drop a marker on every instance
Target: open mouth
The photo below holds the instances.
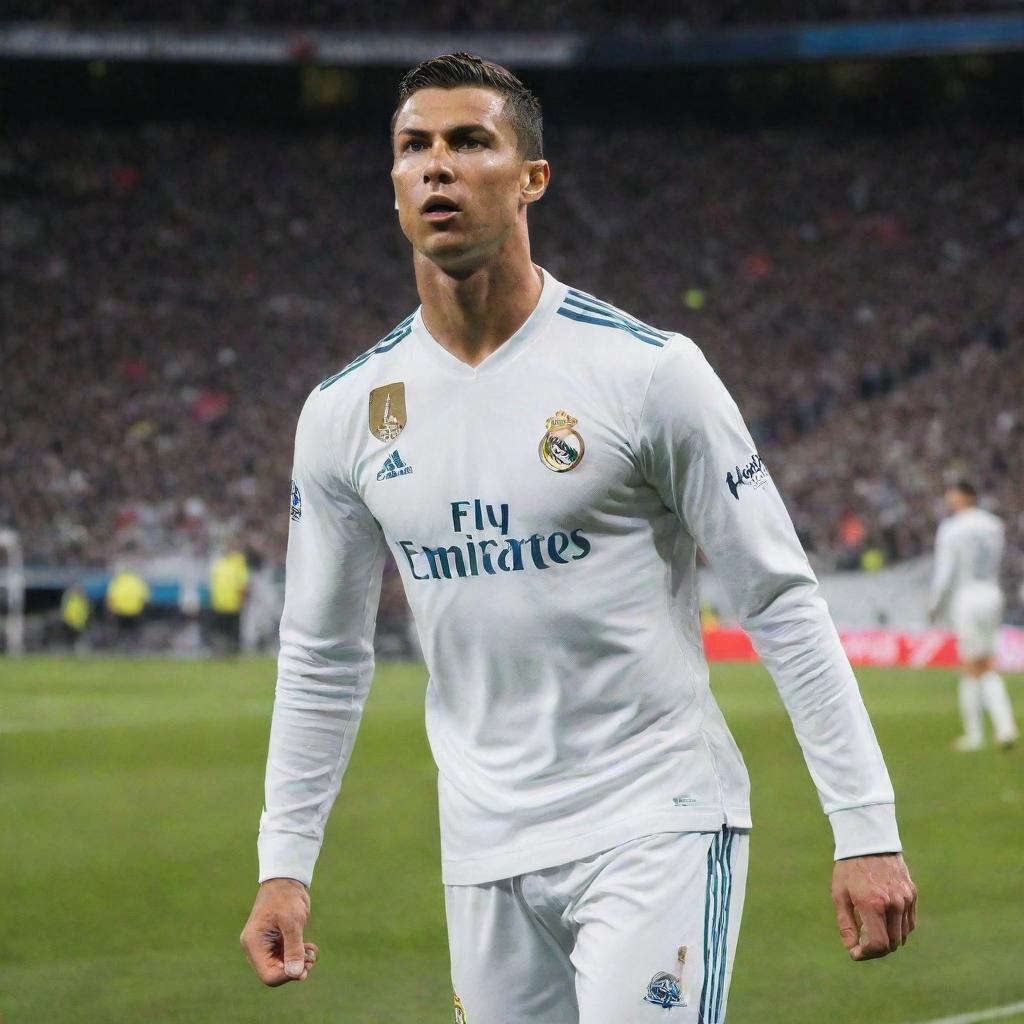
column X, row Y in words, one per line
column 439, row 208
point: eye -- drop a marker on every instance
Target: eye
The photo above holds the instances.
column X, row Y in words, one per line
column 414, row 146
column 471, row 144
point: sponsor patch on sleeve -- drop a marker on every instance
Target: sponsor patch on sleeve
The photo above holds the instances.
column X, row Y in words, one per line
column 752, row 474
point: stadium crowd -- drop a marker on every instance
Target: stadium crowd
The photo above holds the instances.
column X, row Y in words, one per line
column 173, row 292
column 456, row 15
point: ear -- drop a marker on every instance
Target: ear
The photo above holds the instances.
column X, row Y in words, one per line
column 536, row 175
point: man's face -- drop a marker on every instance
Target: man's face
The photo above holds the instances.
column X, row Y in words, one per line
column 459, row 178
column 956, row 500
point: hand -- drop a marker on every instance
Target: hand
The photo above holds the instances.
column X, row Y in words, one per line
column 272, row 937
column 876, row 904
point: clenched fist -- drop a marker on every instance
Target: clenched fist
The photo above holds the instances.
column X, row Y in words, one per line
column 272, row 937
column 876, row 904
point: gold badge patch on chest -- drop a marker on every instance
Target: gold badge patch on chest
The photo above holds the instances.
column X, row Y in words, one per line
column 387, row 411
column 561, row 447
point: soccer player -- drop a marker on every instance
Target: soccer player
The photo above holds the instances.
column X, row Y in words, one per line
column 543, row 467
column 966, row 591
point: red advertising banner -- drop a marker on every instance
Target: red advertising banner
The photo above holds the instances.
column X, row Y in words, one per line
column 882, row 647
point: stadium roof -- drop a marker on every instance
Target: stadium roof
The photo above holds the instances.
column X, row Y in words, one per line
column 770, row 43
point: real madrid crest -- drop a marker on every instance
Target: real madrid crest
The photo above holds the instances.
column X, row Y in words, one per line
column 561, row 447
column 387, row 411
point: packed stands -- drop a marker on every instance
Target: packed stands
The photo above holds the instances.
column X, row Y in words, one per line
column 172, row 293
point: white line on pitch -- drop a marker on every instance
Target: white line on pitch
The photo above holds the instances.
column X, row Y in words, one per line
column 976, row 1016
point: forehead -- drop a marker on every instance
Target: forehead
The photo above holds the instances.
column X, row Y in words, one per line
column 437, row 110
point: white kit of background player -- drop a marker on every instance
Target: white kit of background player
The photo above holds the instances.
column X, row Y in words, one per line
column 966, row 592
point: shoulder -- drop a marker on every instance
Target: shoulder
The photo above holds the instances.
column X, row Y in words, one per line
column 342, row 397
column 374, row 359
column 606, row 322
column 992, row 520
column 653, row 355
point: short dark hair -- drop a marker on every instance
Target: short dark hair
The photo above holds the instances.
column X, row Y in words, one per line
column 966, row 488
column 452, row 70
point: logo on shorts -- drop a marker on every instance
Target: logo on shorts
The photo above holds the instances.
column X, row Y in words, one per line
column 753, row 474
column 296, row 509
column 666, row 990
column 561, row 448
column 460, row 1011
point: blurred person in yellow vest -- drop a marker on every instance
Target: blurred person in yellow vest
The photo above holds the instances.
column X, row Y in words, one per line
column 127, row 597
column 872, row 560
column 229, row 584
column 709, row 616
column 75, row 612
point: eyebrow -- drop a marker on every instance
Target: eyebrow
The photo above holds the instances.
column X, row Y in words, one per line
column 459, row 129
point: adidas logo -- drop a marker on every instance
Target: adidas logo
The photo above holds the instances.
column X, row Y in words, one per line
column 393, row 466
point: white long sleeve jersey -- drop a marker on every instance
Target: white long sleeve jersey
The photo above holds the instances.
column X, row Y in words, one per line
column 545, row 509
column 968, row 552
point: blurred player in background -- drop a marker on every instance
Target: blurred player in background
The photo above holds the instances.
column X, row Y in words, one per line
column 544, row 466
column 966, row 592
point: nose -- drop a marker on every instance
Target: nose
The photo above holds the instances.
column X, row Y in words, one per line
column 438, row 170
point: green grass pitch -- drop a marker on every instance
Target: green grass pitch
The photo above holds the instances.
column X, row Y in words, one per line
column 129, row 797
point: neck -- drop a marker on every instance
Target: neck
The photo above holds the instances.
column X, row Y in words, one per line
column 472, row 313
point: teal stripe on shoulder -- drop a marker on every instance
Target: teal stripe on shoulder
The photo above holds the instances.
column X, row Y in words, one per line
column 583, row 300
column 600, row 320
column 386, row 344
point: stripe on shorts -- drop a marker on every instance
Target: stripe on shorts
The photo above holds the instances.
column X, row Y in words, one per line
column 716, row 927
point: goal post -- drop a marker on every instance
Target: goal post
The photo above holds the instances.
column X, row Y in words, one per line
column 12, row 593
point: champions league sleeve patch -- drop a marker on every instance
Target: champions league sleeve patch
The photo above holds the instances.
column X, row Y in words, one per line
column 296, row 507
column 753, row 475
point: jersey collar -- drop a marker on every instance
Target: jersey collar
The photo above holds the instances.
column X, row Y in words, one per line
column 551, row 296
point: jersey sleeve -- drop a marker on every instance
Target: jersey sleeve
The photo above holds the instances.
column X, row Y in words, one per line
column 697, row 452
column 943, row 572
column 332, row 587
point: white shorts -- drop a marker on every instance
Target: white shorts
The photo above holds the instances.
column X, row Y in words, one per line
column 977, row 614
column 639, row 933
